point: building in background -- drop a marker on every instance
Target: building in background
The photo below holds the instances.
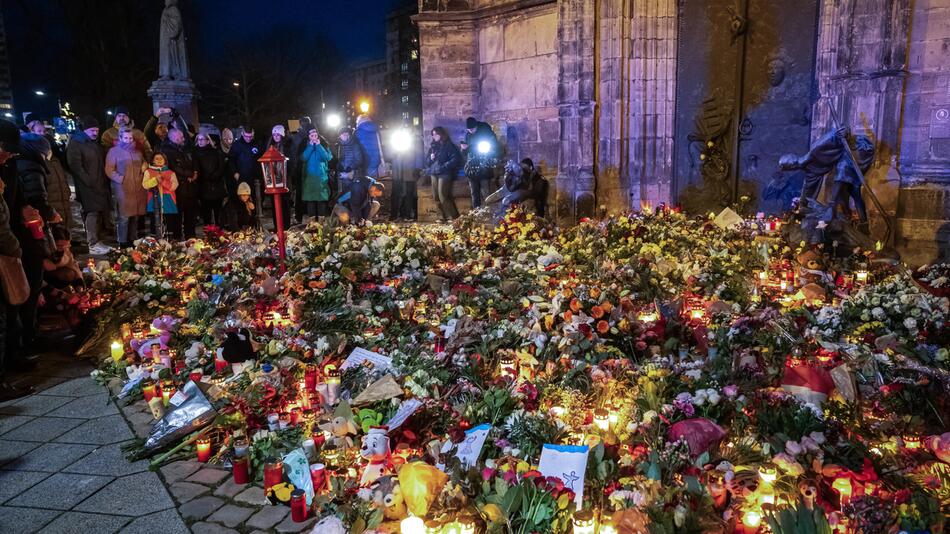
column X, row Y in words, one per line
column 364, row 82
column 6, row 90
column 402, row 100
column 631, row 102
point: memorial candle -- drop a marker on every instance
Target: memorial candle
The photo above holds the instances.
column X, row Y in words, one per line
column 149, row 390
column 240, row 465
column 204, row 449
column 273, row 474
column 116, row 350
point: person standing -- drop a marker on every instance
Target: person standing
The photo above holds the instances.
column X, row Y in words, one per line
column 482, row 153
column 57, row 183
column 407, row 161
column 315, row 176
column 278, row 139
column 368, row 135
column 156, row 129
column 177, row 150
column 243, row 158
column 125, row 164
column 443, row 162
column 161, row 184
column 110, row 137
column 299, row 141
column 212, row 173
column 86, row 163
column 10, row 247
column 353, row 180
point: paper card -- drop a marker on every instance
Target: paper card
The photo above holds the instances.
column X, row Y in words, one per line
column 406, row 409
column 298, row 472
column 727, row 219
column 179, row 397
column 127, row 388
column 471, row 447
column 568, row 463
column 361, row 356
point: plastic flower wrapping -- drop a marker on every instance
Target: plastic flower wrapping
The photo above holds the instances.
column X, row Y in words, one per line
column 646, row 372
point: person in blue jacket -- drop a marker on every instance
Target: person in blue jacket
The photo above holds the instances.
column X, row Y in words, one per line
column 368, row 134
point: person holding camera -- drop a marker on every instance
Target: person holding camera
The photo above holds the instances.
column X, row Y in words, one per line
column 482, row 152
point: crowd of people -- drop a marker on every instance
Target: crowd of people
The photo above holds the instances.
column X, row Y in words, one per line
column 168, row 178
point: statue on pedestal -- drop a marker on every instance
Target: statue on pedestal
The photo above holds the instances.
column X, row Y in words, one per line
column 173, row 59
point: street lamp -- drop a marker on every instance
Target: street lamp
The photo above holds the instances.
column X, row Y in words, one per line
column 333, row 120
column 236, row 84
column 364, row 107
column 274, row 167
column 38, row 92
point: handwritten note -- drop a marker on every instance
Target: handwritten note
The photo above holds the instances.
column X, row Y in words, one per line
column 727, row 219
column 471, row 447
column 405, row 409
column 568, row 463
column 361, row 356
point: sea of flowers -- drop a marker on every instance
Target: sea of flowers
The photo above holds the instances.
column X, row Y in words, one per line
column 718, row 379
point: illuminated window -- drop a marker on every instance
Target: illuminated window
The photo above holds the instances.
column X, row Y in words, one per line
column 405, row 84
column 414, row 54
column 415, row 121
column 405, row 99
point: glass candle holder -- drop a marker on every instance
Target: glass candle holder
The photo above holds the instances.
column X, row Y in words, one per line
column 204, row 449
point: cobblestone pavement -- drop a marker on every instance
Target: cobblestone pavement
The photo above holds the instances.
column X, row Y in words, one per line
column 62, row 471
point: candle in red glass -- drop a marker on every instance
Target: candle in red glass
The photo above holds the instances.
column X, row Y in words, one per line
column 204, row 449
column 273, row 474
column 241, row 470
column 310, row 377
column 149, row 390
column 318, row 475
column 196, row 375
column 439, row 344
column 298, row 506
column 220, row 365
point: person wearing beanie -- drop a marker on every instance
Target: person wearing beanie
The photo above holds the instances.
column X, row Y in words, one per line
column 110, row 137
column 87, row 164
column 299, row 141
column 482, row 152
column 240, row 212
column 278, row 139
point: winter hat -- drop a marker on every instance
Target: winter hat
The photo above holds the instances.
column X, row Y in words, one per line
column 279, row 129
column 37, row 144
column 121, row 110
column 88, row 122
column 9, row 133
column 32, row 117
column 244, row 189
column 528, row 162
column 470, row 123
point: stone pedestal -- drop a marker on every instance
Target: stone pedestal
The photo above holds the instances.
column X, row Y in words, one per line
column 179, row 94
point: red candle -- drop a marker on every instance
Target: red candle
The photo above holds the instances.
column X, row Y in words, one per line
column 149, row 390
column 273, row 474
column 318, row 475
column 310, row 377
column 220, row 365
column 204, row 449
column 298, row 506
column 241, row 470
column 196, row 375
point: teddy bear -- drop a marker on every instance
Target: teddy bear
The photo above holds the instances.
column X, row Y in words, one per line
column 375, row 449
column 387, row 495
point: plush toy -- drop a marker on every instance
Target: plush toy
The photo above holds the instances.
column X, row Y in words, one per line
column 237, row 347
column 940, row 446
column 375, row 449
column 341, row 429
column 386, row 494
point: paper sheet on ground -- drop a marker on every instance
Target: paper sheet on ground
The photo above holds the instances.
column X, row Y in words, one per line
column 406, row 409
column 568, row 463
column 361, row 356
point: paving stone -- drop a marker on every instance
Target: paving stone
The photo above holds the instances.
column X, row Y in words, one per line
column 211, row 528
column 102, row 431
column 288, row 525
column 208, row 476
column 9, row 422
column 42, row 429
column 107, row 460
column 229, row 489
column 61, row 491
column 164, row 522
column 24, row 520
column 139, row 418
column 12, row 483
column 80, row 387
column 141, row 493
column 252, row 495
column 176, row 471
column 230, row 515
column 268, row 517
column 11, row 450
column 259, row 532
column 82, row 523
column 86, row 407
column 35, row 405
column 186, row 491
column 200, row 508
column 49, row 457
column 142, row 430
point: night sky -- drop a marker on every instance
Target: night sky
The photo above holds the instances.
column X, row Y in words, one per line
column 36, row 30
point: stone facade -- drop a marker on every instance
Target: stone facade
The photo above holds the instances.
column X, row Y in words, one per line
column 587, row 88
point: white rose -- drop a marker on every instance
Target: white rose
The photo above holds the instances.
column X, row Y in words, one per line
column 910, row 323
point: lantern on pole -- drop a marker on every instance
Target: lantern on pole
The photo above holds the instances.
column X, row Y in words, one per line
column 274, row 166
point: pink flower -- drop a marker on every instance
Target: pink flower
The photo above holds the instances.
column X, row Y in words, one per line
column 793, row 448
column 731, row 390
column 487, row 473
